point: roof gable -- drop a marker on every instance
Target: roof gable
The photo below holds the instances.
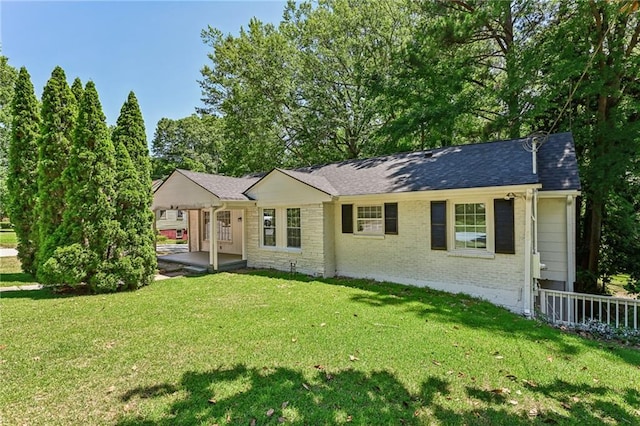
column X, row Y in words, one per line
column 225, row 188
column 287, row 186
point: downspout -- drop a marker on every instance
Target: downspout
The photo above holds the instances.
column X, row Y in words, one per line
column 571, row 243
column 528, row 250
column 213, row 236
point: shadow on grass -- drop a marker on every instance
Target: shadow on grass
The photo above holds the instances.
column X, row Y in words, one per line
column 16, row 277
column 281, row 395
column 458, row 309
column 42, row 294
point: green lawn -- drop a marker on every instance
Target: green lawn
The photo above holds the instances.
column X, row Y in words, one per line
column 8, row 239
column 266, row 348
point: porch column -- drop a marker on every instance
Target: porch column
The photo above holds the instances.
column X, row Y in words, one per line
column 155, row 230
column 528, row 252
column 213, row 238
column 242, row 234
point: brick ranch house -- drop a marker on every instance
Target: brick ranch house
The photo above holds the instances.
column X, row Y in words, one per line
column 493, row 220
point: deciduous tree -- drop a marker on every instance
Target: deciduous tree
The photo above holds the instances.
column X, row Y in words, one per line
column 191, row 143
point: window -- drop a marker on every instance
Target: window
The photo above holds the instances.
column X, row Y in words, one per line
column 294, row 238
column 224, row 225
column 369, row 220
column 470, row 226
column 178, row 234
column 269, row 227
column 180, row 215
column 207, row 226
column 163, row 214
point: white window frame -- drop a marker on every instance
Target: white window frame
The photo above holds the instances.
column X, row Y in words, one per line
column 179, row 234
column 180, row 215
column 162, row 215
column 358, row 219
column 206, row 228
column 280, row 215
column 451, row 225
column 273, row 227
column 224, row 235
column 299, row 227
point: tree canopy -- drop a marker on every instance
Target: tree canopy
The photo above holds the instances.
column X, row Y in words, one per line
column 340, row 79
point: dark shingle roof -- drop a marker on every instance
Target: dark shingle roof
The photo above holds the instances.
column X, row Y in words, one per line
column 488, row 164
column 557, row 164
column 223, row 187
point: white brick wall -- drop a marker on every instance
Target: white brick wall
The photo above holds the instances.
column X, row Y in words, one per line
column 404, row 258
column 408, row 258
column 309, row 260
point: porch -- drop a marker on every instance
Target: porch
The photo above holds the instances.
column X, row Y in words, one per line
column 200, row 259
column 565, row 307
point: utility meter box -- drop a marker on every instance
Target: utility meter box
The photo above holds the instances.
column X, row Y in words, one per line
column 536, row 266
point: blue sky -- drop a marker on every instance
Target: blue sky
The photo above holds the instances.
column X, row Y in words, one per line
column 151, row 47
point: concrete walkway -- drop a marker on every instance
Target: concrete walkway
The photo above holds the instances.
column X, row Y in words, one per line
column 8, row 252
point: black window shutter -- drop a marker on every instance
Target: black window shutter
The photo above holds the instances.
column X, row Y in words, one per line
column 391, row 218
column 438, row 225
column 503, row 217
column 347, row 218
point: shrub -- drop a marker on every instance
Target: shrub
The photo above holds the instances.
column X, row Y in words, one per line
column 67, row 265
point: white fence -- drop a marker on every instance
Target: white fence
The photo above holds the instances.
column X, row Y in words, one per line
column 572, row 308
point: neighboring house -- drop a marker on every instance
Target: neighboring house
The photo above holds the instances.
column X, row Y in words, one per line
column 169, row 222
column 172, row 224
column 482, row 219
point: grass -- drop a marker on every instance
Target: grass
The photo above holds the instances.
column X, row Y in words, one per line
column 265, row 347
column 8, row 239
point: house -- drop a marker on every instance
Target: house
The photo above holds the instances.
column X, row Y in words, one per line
column 493, row 220
column 170, row 223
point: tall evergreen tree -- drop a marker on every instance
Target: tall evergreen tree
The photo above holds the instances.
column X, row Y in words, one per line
column 8, row 76
column 22, row 179
column 77, row 89
column 87, row 231
column 135, row 259
column 58, row 120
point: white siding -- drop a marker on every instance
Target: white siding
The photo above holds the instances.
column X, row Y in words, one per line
column 552, row 238
column 171, row 220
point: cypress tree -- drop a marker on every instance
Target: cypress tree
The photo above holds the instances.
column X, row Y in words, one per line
column 136, row 259
column 22, row 179
column 78, row 91
column 58, row 120
column 89, row 226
